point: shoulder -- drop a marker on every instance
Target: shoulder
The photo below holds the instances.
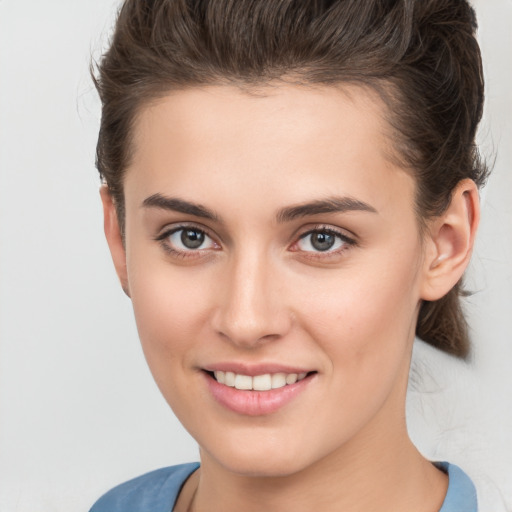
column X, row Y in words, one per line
column 155, row 491
column 461, row 494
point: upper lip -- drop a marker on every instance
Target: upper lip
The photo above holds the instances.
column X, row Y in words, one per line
column 255, row 369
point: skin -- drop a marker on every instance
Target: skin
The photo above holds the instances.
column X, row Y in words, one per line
column 257, row 291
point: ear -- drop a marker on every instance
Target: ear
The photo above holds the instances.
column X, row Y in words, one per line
column 114, row 238
column 450, row 241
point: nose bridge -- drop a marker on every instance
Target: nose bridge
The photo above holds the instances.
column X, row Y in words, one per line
column 251, row 308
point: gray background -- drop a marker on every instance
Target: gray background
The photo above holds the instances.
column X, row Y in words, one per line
column 79, row 411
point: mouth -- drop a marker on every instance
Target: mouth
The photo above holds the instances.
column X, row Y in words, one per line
column 257, row 394
column 263, row 382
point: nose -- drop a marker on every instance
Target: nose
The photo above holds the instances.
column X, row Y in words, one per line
column 251, row 307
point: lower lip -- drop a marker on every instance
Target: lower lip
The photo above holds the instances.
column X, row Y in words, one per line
column 255, row 403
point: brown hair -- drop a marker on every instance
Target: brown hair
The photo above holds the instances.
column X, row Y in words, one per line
column 421, row 56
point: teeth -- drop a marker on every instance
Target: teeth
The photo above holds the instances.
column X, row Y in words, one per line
column 243, row 382
column 291, row 378
column 278, row 380
column 229, row 379
column 263, row 382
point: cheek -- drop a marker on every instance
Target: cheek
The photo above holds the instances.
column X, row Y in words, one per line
column 364, row 317
column 171, row 308
column 170, row 313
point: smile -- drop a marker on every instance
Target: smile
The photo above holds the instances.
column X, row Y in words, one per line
column 264, row 392
column 263, row 382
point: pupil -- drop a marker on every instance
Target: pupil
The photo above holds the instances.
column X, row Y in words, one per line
column 322, row 241
column 192, row 239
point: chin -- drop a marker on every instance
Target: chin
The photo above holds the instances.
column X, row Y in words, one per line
column 260, row 456
column 268, row 466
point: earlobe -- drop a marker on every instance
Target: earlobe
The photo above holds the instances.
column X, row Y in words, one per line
column 450, row 242
column 114, row 237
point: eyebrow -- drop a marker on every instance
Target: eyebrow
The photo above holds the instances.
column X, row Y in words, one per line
column 179, row 205
column 330, row 205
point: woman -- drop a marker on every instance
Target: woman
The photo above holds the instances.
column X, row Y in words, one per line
column 291, row 195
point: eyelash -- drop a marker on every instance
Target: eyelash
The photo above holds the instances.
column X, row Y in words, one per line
column 163, row 238
column 347, row 242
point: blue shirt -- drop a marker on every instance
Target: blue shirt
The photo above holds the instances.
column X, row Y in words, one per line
column 157, row 491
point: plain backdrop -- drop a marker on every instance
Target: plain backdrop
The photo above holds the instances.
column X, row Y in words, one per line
column 79, row 411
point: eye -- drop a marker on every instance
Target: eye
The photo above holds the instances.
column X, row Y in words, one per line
column 323, row 240
column 186, row 239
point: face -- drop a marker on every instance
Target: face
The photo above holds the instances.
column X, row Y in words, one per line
column 275, row 267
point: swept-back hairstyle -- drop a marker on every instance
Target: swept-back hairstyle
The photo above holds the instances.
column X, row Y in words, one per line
column 420, row 56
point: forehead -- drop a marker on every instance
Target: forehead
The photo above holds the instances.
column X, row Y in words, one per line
column 301, row 139
column 304, row 113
